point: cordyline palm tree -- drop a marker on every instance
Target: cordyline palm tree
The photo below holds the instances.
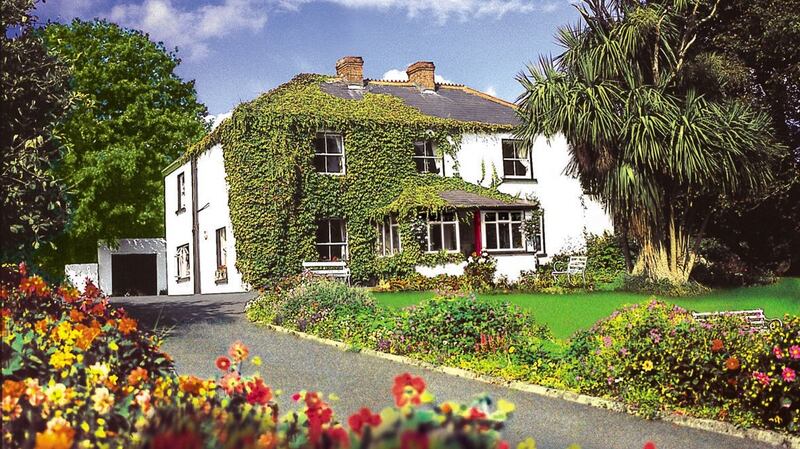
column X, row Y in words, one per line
column 642, row 137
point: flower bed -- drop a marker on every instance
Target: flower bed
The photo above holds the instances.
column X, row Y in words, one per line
column 653, row 357
column 80, row 373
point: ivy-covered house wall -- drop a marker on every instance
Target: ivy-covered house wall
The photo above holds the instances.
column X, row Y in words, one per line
column 277, row 196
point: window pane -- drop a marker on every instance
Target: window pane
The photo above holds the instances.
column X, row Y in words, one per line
column 421, row 165
column 516, row 235
column 395, row 239
column 491, row 236
column 322, row 250
column 450, row 237
column 387, row 239
column 432, row 167
column 520, row 169
column 516, row 216
column 334, row 164
column 508, row 168
column 449, row 216
column 419, row 148
column 337, row 231
column 503, row 232
column 429, row 148
column 334, row 143
column 502, row 216
column 337, row 252
column 435, row 237
column 319, row 144
column 319, row 163
column 322, row 231
column 508, row 149
column 491, row 216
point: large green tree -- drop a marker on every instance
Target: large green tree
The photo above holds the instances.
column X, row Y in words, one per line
column 133, row 117
column 643, row 136
column 33, row 96
column 759, row 39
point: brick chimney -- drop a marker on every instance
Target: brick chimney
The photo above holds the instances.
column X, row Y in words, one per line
column 351, row 70
column 421, row 73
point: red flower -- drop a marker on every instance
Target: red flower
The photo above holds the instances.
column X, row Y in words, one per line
column 732, row 364
column 474, row 413
column 413, row 440
column 296, row 397
column 716, row 345
column 339, row 437
column 408, row 388
column 649, row 445
column 502, row 444
column 258, row 392
column 362, row 418
column 170, row 440
column 223, row 363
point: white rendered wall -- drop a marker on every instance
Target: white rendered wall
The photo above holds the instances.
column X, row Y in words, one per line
column 212, row 201
column 452, row 269
column 178, row 225
column 77, row 273
column 131, row 246
column 567, row 211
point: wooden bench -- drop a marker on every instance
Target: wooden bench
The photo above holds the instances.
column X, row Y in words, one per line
column 575, row 266
column 754, row 318
column 336, row 270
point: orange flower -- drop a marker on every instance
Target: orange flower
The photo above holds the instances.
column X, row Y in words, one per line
column 408, row 388
column 76, row 315
column 190, row 384
column 223, row 363
column 238, row 351
column 41, row 326
column 58, row 435
column 127, row 325
column 732, row 364
column 267, row 441
column 716, row 345
column 13, row 388
column 87, row 336
column 137, row 376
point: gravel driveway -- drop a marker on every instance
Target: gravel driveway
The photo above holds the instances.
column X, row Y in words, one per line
column 202, row 327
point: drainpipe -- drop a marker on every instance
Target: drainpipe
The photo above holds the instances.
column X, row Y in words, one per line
column 476, row 223
column 195, row 230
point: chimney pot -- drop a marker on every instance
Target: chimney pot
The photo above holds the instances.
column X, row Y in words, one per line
column 422, row 73
column 351, row 70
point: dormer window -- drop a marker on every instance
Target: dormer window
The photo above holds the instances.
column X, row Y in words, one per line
column 329, row 153
column 516, row 160
column 425, row 158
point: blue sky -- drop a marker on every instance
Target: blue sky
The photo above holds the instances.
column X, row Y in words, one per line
column 236, row 49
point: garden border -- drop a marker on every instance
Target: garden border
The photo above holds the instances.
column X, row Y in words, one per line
column 710, row 425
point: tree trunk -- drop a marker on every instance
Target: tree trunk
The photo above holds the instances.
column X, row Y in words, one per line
column 669, row 259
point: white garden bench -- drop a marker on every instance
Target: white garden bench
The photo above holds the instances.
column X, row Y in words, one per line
column 575, row 266
column 755, row 318
column 336, row 270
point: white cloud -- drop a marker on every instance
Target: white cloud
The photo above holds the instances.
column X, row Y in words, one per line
column 442, row 10
column 400, row 75
column 490, row 90
column 191, row 30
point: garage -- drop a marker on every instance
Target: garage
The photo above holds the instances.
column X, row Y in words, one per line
column 134, row 274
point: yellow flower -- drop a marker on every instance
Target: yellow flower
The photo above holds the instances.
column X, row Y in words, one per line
column 527, row 444
column 85, row 426
column 113, row 346
column 57, row 394
column 256, row 361
column 100, row 433
column 99, row 371
column 647, row 365
column 511, row 350
column 62, row 358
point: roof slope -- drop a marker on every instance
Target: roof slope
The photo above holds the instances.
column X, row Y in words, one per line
column 448, row 101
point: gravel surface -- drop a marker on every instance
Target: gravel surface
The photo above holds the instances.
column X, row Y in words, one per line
column 202, row 327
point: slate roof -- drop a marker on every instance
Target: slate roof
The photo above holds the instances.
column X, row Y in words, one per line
column 460, row 199
column 448, row 101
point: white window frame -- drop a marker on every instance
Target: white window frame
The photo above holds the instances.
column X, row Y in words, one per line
column 428, row 147
column 180, row 179
column 221, row 239
column 384, row 247
column 324, row 135
column 496, row 223
column 526, row 161
column 345, row 245
column 183, row 268
column 431, row 222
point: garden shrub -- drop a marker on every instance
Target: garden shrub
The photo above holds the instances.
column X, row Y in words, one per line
column 606, row 262
column 658, row 351
column 480, row 271
column 662, row 287
column 718, row 266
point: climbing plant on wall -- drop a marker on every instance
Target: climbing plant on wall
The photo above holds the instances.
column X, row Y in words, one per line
column 276, row 195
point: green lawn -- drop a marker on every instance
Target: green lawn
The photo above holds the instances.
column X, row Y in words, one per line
column 567, row 313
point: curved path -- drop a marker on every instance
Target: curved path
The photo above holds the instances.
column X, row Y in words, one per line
column 202, row 327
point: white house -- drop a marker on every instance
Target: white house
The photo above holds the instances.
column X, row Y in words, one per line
column 201, row 244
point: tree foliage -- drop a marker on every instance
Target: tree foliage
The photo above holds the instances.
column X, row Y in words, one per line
column 133, row 117
column 33, row 96
column 644, row 136
column 758, row 39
